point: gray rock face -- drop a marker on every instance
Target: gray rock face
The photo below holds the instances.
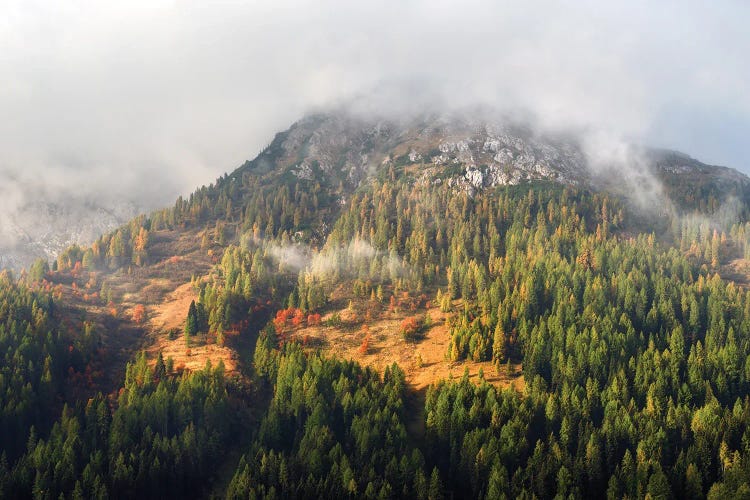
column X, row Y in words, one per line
column 342, row 147
column 466, row 151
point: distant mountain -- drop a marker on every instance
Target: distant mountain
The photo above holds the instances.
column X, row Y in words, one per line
column 43, row 228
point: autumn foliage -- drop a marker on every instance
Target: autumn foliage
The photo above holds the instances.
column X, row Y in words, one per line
column 293, row 317
column 365, row 346
column 297, row 318
column 411, row 326
column 290, row 318
column 313, row 319
column 139, row 314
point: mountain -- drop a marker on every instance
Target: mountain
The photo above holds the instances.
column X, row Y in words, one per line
column 445, row 306
column 470, row 152
column 474, row 152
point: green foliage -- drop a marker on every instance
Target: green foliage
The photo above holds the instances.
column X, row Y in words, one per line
column 36, row 357
column 127, row 245
column 333, row 320
column 333, row 429
column 38, row 270
column 197, row 320
column 241, row 285
column 162, row 440
column 635, row 355
column 635, row 359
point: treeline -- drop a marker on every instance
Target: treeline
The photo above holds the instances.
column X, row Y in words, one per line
column 163, row 438
column 270, row 205
column 435, row 227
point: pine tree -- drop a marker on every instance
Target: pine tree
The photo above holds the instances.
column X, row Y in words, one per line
column 191, row 323
column 435, row 491
column 160, row 369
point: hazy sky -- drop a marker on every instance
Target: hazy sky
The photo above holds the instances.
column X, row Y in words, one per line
column 156, row 97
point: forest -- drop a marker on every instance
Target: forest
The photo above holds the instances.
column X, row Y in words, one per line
column 634, row 350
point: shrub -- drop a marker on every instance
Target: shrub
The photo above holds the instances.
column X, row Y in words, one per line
column 411, row 327
column 139, row 314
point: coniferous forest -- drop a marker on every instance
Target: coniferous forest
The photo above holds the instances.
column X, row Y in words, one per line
column 629, row 328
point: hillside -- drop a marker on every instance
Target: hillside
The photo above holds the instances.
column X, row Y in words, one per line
column 444, row 305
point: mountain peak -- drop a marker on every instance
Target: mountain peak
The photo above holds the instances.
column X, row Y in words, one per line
column 474, row 150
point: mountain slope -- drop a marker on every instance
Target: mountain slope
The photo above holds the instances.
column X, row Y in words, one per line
column 298, row 195
column 445, row 245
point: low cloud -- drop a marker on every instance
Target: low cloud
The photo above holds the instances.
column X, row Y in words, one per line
column 295, row 257
column 626, row 168
column 351, row 260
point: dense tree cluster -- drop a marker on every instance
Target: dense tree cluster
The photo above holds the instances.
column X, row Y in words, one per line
column 237, row 290
column 586, row 442
column 252, row 200
column 333, row 429
column 627, row 344
column 123, row 247
column 37, row 356
column 163, row 439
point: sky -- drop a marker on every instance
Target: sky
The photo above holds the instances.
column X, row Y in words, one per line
column 146, row 100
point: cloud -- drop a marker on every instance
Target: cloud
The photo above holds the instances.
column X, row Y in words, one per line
column 149, row 99
column 625, row 168
column 291, row 256
column 353, row 259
